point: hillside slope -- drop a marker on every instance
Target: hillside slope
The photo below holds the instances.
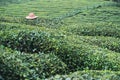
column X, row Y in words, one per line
column 70, row 40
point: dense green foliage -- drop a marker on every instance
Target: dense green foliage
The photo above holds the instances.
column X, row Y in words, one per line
column 104, row 42
column 89, row 75
column 6, row 2
column 95, row 29
column 79, row 41
column 15, row 65
column 117, row 1
column 75, row 55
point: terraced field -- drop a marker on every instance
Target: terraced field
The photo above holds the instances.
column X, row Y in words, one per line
column 70, row 40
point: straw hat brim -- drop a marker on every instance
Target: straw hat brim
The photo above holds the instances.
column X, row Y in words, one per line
column 28, row 17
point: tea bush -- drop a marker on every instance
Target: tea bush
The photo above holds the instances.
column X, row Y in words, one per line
column 29, row 41
column 88, row 39
column 6, row 26
column 77, row 55
column 110, row 43
column 15, row 65
column 55, row 22
column 6, row 2
column 28, row 38
column 95, row 29
column 88, row 75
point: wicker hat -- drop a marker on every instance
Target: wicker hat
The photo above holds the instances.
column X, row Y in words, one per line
column 31, row 16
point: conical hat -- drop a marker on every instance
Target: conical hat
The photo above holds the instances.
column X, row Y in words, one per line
column 31, row 16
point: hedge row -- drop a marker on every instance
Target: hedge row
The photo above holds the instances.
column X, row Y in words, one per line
column 95, row 29
column 29, row 38
column 104, row 42
column 7, row 2
column 76, row 54
column 79, row 55
column 36, row 22
column 28, row 41
column 6, row 26
column 16, row 27
column 88, row 75
column 36, row 66
column 15, row 65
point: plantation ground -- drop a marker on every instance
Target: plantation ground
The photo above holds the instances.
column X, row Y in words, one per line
column 74, row 40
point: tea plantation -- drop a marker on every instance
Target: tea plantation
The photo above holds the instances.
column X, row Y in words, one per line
column 70, row 40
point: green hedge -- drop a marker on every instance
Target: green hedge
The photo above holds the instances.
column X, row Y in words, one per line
column 28, row 38
column 36, row 22
column 28, row 41
column 6, row 26
column 110, row 43
column 76, row 54
column 6, row 2
column 89, row 75
column 95, row 29
column 79, row 55
column 15, row 65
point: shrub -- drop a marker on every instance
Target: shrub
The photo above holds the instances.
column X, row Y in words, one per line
column 89, row 75
column 28, row 41
column 95, row 29
column 76, row 54
column 79, row 56
column 36, row 22
column 104, row 42
column 5, row 27
column 118, row 1
column 28, row 38
column 15, row 65
column 6, row 2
